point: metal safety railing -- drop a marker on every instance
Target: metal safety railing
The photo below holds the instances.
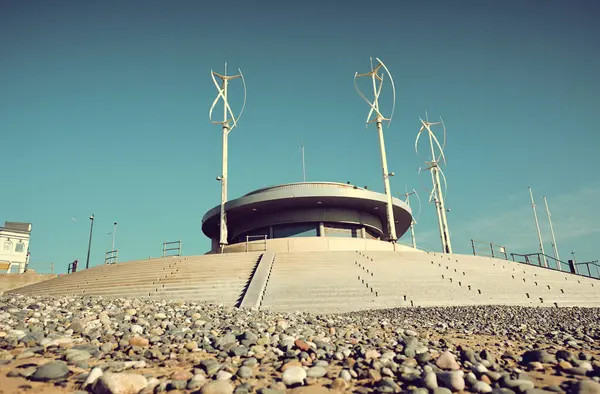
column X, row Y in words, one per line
column 549, row 262
column 111, row 257
column 170, row 250
column 482, row 248
column 250, row 238
column 592, row 273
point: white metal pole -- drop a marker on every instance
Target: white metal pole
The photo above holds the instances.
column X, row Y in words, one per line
column 437, row 211
column 114, row 234
column 223, row 221
column 412, row 224
column 554, row 246
column 386, row 184
column 437, row 192
column 379, row 118
column 537, row 226
column 444, row 219
column 226, row 129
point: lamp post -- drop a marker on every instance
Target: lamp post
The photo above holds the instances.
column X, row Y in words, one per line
column 87, row 262
column 114, row 234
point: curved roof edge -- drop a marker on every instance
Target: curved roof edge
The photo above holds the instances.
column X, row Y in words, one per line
column 335, row 193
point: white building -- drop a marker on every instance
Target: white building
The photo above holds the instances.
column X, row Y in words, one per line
column 14, row 247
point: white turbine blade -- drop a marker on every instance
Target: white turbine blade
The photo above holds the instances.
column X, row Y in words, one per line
column 440, row 147
column 221, row 94
column 430, row 193
column 244, row 102
column 445, row 183
column 419, row 200
column 444, row 127
column 360, row 93
column 393, row 90
column 417, row 141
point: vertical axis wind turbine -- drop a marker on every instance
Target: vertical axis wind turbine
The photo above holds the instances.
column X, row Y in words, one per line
column 413, row 220
column 537, row 226
column 377, row 81
column 436, row 193
column 554, row 246
column 228, row 117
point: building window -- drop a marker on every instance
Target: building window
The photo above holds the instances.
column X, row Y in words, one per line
column 295, row 230
column 7, row 246
column 342, row 230
column 20, row 247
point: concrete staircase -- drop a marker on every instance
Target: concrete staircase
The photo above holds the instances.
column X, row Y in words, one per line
column 211, row 278
column 328, row 282
column 318, row 282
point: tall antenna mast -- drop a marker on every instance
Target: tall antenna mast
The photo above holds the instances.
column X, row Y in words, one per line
column 537, row 226
column 303, row 164
column 436, row 195
column 228, row 117
column 554, row 246
column 413, row 220
column 377, row 81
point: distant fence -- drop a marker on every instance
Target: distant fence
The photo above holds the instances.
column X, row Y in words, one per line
column 111, row 257
column 251, row 247
column 481, row 248
column 592, row 267
column 171, row 248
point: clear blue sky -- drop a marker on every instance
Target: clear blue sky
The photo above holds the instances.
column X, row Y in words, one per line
column 104, row 110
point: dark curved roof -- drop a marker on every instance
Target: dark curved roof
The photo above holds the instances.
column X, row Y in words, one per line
column 309, row 195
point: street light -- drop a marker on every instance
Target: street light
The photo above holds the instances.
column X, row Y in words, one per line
column 114, row 234
column 87, row 262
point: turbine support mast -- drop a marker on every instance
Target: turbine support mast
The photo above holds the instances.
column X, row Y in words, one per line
column 537, row 226
column 378, row 119
column 413, row 221
column 437, row 175
column 554, row 246
column 228, row 123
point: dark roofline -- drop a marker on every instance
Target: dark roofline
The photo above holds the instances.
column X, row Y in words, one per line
column 18, row 227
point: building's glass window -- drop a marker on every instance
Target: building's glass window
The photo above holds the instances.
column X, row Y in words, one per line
column 295, row 230
column 20, row 247
column 7, row 246
column 342, row 230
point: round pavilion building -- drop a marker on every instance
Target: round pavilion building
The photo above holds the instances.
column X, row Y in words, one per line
column 308, row 216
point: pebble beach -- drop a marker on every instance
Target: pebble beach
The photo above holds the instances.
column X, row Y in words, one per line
column 124, row 346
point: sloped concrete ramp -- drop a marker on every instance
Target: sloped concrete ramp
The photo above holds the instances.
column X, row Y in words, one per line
column 325, row 282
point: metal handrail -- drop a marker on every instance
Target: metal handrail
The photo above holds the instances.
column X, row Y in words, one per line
column 536, row 259
column 258, row 237
column 501, row 249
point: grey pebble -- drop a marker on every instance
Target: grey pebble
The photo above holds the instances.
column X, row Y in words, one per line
column 51, row 371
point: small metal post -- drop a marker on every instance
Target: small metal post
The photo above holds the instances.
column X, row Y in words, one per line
column 87, row 262
column 492, row 247
column 537, row 226
column 114, row 235
column 473, row 246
